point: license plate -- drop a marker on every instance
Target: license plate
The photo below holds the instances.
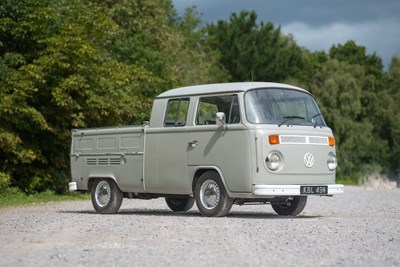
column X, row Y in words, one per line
column 314, row 190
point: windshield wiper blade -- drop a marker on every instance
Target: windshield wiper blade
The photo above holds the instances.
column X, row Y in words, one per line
column 316, row 115
column 288, row 118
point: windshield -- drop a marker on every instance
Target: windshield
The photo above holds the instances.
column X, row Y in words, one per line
column 282, row 107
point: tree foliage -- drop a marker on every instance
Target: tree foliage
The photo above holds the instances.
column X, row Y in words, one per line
column 354, row 54
column 389, row 115
column 358, row 99
column 252, row 51
column 340, row 89
column 82, row 63
column 68, row 64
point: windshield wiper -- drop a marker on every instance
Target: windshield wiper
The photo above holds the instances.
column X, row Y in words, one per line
column 316, row 115
column 288, row 118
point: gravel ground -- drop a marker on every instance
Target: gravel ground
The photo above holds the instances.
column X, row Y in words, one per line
column 358, row 228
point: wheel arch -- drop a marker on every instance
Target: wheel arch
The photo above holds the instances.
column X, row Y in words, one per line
column 203, row 169
column 91, row 179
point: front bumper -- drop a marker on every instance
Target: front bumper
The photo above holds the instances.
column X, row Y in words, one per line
column 292, row 190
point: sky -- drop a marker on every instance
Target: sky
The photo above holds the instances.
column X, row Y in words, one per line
column 318, row 24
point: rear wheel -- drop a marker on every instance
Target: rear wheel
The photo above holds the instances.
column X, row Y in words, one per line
column 292, row 207
column 106, row 196
column 211, row 197
column 180, row 204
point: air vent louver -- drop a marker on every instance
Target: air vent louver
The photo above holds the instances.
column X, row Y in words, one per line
column 103, row 161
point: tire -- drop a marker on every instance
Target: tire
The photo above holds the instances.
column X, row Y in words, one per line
column 212, row 199
column 180, row 204
column 106, row 196
column 292, row 207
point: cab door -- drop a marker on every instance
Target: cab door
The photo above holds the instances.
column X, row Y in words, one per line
column 225, row 148
column 166, row 152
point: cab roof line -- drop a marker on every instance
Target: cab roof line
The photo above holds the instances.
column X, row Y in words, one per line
column 223, row 88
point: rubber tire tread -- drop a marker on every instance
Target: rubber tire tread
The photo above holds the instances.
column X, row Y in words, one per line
column 225, row 203
column 297, row 205
column 115, row 199
column 185, row 203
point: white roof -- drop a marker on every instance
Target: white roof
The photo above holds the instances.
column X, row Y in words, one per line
column 218, row 88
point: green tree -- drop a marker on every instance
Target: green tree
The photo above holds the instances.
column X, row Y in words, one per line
column 195, row 61
column 352, row 53
column 68, row 64
column 339, row 87
column 22, row 26
column 80, row 63
column 66, row 79
column 252, row 51
column 173, row 48
column 391, row 117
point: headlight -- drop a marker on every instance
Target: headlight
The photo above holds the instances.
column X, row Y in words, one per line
column 332, row 161
column 274, row 161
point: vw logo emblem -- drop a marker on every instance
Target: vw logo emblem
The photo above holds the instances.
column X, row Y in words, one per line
column 308, row 160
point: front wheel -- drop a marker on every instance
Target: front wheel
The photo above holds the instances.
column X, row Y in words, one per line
column 106, row 196
column 212, row 199
column 180, row 204
column 292, row 207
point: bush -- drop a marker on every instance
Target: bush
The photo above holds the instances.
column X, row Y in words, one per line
column 5, row 181
column 348, row 179
column 60, row 179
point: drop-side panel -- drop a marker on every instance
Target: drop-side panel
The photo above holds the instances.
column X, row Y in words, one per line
column 116, row 153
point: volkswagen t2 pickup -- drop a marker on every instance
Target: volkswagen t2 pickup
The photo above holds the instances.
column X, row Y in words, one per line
column 216, row 145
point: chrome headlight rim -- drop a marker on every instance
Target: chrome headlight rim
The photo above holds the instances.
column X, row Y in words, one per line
column 331, row 161
column 274, row 161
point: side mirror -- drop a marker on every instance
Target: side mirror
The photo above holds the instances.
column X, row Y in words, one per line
column 220, row 119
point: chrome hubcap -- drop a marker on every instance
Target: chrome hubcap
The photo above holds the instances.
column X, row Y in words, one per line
column 103, row 193
column 209, row 194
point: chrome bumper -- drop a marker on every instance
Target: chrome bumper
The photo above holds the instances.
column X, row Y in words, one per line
column 292, row 190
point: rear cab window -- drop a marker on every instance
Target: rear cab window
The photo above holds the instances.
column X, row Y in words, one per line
column 176, row 112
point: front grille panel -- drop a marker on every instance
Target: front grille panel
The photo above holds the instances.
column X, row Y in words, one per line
column 305, row 140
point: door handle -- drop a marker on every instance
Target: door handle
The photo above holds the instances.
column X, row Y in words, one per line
column 193, row 143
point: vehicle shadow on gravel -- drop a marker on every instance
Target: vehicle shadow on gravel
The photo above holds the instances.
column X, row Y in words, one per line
column 194, row 213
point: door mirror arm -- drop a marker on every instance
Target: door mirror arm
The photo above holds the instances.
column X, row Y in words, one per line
column 220, row 119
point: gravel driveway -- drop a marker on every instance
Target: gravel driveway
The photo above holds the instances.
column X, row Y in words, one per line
column 359, row 228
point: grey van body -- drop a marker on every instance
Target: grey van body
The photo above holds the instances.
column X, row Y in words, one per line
column 237, row 139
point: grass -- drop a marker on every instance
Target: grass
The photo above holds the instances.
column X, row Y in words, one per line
column 15, row 198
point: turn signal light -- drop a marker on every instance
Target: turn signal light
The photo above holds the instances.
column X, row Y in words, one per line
column 274, row 139
column 331, row 141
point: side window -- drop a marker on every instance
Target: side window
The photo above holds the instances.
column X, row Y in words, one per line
column 176, row 112
column 209, row 106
